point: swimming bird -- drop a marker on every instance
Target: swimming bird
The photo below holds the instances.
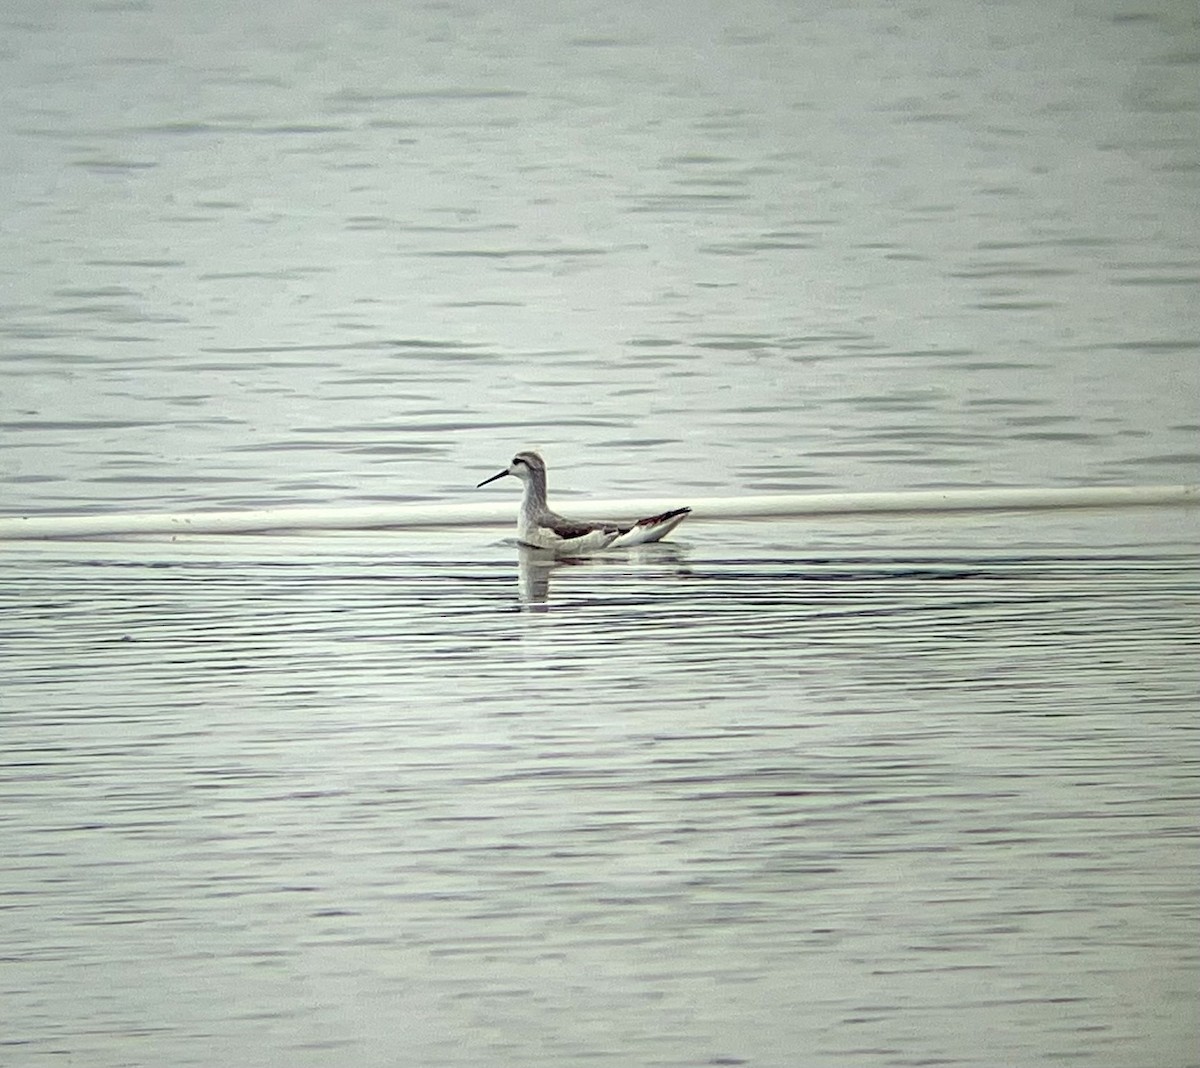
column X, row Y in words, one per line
column 545, row 529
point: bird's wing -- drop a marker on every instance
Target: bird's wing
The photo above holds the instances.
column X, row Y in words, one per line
column 654, row 520
column 574, row 528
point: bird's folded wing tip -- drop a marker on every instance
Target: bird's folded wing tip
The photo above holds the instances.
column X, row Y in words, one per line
column 663, row 517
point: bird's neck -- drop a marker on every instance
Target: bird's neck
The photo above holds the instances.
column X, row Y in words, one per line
column 534, row 499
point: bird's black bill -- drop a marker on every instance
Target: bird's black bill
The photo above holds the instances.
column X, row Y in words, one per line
column 500, row 474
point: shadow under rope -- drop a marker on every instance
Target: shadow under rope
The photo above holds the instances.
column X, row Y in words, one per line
column 848, row 586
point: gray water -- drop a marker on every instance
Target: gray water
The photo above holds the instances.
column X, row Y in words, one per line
column 874, row 791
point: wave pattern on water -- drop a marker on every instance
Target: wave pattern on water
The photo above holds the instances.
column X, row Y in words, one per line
column 744, row 803
column 725, row 236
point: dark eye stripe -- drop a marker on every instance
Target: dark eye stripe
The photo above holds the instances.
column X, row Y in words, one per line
column 517, row 460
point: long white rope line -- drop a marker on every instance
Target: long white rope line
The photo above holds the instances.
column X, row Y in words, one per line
column 497, row 513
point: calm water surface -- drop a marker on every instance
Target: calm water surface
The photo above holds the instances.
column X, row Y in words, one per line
column 864, row 793
column 738, row 799
column 291, row 255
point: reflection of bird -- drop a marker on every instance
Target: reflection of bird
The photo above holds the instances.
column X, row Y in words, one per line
column 538, row 571
column 543, row 529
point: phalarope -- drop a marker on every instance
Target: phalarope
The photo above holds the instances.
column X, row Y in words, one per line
column 545, row 529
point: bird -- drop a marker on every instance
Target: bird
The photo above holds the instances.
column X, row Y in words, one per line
column 542, row 528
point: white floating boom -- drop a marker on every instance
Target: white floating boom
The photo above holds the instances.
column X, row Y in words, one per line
column 494, row 513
